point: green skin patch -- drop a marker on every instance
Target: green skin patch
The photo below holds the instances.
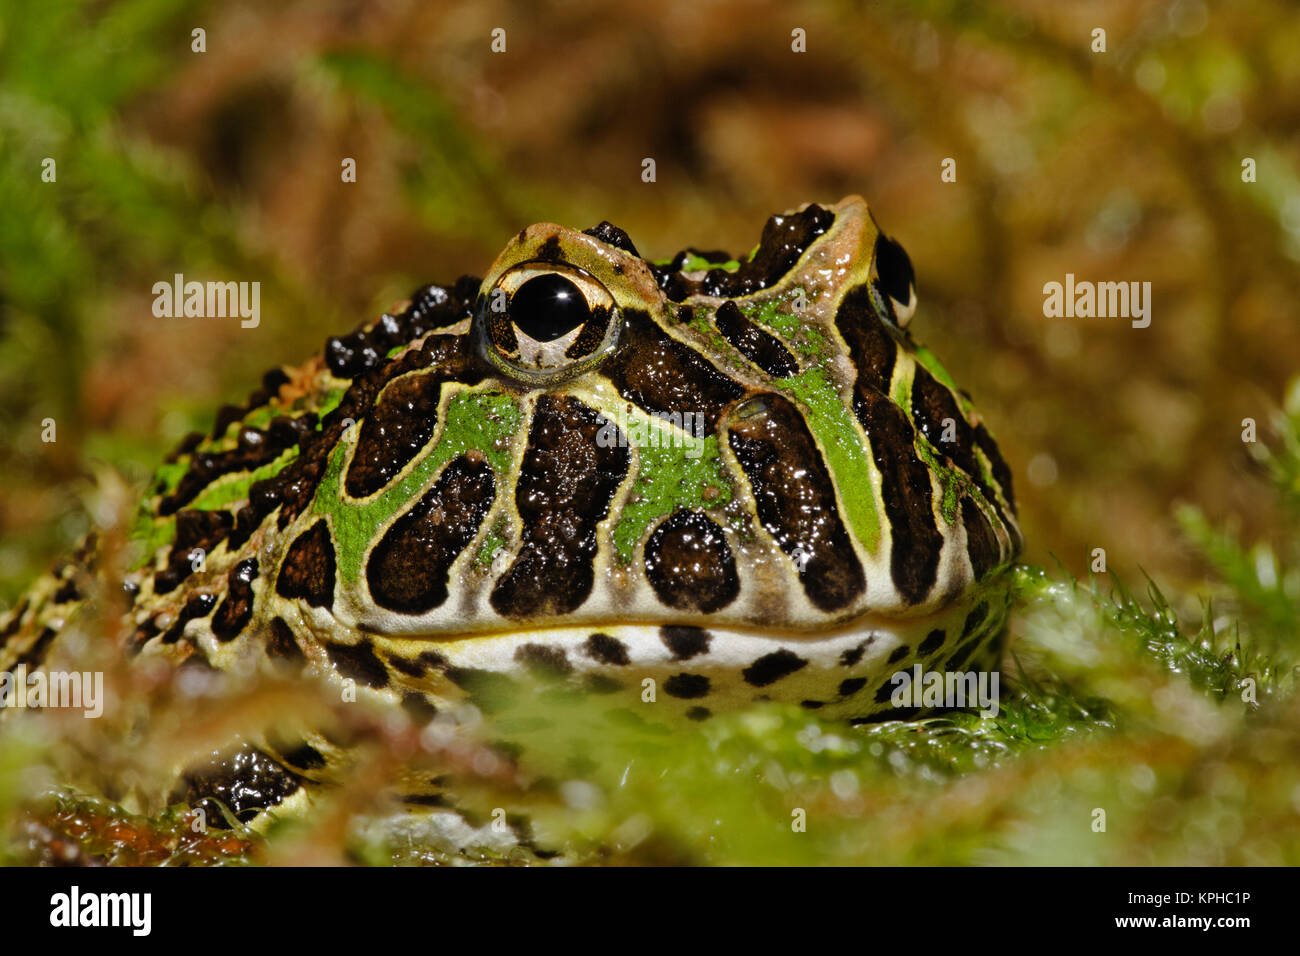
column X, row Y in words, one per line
column 483, row 421
column 830, row 421
column 695, row 263
column 493, row 542
column 833, row 426
column 670, row 476
column 231, row 488
column 804, row 337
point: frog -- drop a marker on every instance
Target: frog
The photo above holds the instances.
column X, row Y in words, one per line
column 683, row 486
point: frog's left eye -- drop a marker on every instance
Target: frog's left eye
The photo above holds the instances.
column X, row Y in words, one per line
column 893, row 278
column 542, row 317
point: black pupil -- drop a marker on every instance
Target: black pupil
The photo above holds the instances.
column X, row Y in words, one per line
column 547, row 307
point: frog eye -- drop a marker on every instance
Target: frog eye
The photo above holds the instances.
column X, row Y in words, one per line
column 893, row 278
column 542, row 317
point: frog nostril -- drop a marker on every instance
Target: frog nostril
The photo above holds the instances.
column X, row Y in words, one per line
column 547, row 307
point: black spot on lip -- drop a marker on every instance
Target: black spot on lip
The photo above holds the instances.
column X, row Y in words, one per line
column 899, row 653
column 544, row 663
column 196, row 606
column 770, row 668
column 975, row 618
column 34, row 656
column 851, row 686
column 687, row 686
column 489, row 691
column 15, row 621
column 684, row 641
column 854, row 654
column 418, row 708
column 420, row 665
column 67, row 592
column 600, row 684
column 699, row 713
column 607, row 650
column 359, row 662
column 962, row 653
column 933, row 641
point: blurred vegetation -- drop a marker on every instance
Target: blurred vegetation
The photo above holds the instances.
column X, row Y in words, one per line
column 1122, row 165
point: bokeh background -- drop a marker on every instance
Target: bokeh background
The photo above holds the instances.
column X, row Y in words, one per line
column 1123, row 165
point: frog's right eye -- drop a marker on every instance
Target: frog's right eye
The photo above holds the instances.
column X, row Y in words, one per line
column 542, row 319
column 893, row 279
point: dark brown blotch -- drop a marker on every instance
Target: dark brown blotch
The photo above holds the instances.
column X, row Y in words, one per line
column 795, row 498
column 397, row 428
column 359, row 662
column 236, row 609
column 308, row 568
column 760, row 347
column 408, row 570
column 690, row 565
column 607, row 650
column 195, row 530
column 905, row 487
column 981, row 544
column 662, row 375
column 566, row 482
